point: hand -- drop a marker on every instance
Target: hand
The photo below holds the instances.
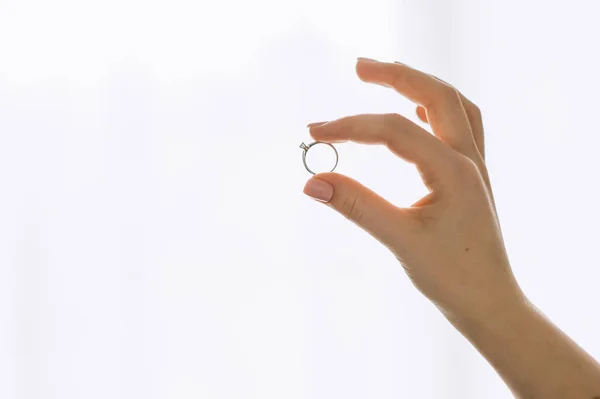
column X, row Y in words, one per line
column 449, row 242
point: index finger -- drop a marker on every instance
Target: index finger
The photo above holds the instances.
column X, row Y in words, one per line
column 404, row 138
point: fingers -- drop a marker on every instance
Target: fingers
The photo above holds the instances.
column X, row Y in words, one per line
column 422, row 114
column 445, row 112
column 403, row 137
column 315, row 124
column 357, row 203
column 475, row 120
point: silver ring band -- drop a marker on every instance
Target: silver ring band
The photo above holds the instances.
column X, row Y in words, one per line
column 307, row 147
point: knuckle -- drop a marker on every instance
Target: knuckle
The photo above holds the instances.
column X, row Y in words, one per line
column 443, row 94
column 399, row 80
column 465, row 169
column 476, row 111
column 476, row 120
column 390, row 123
column 393, row 119
column 351, row 208
column 450, row 94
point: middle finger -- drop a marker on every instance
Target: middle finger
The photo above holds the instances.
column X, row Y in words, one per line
column 445, row 111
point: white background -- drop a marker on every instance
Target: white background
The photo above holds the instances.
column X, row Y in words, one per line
column 154, row 238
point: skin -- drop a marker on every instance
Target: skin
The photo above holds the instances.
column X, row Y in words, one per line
column 449, row 242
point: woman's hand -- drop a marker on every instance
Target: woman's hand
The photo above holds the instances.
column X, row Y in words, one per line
column 449, row 242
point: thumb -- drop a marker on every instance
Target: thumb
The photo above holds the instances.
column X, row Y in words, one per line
column 359, row 204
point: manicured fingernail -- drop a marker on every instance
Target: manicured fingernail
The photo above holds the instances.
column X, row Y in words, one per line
column 402, row 63
column 316, row 124
column 318, row 189
column 363, row 59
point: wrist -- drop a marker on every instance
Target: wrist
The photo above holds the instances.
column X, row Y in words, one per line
column 492, row 314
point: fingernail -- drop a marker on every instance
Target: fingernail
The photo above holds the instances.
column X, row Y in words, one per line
column 316, row 124
column 318, row 189
column 367, row 59
column 402, row 63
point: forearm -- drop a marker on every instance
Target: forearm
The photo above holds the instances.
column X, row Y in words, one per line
column 531, row 354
